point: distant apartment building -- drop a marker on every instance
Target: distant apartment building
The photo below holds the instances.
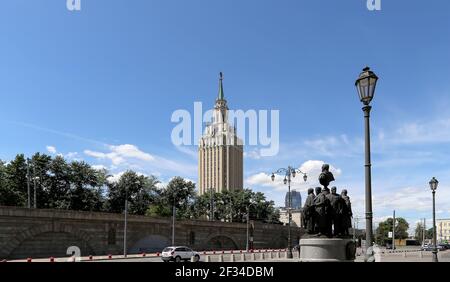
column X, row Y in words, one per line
column 296, row 217
column 443, row 230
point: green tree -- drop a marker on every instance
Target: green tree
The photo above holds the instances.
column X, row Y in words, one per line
column 401, row 230
column 57, row 184
column 15, row 182
column 9, row 195
column 40, row 178
column 140, row 191
column 233, row 205
column 86, row 189
column 178, row 192
column 429, row 234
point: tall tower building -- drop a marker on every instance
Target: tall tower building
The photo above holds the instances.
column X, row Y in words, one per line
column 220, row 152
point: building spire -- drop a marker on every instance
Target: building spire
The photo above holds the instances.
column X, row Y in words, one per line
column 221, row 96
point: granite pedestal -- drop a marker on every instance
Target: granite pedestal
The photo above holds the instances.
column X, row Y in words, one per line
column 327, row 250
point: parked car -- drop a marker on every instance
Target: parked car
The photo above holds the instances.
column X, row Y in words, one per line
column 444, row 246
column 431, row 247
column 178, row 254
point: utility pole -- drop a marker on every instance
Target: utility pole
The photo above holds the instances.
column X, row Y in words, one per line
column 34, row 185
column 28, row 185
column 125, row 224
column 424, row 230
column 173, row 224
column 248, row 218
column 173, row 219
column 393, row 232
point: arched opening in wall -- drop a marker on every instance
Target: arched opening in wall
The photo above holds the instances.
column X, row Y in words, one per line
column 150, row 244
column 221, row 243
column 282, row 243
column 50, row 244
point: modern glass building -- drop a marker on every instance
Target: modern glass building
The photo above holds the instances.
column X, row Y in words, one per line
column 296, row 199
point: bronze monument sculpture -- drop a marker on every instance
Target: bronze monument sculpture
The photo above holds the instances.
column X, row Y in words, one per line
column 327, row 218
column 327, row 213
column 308, row 212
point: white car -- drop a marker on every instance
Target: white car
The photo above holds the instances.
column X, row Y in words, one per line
column 178, row 254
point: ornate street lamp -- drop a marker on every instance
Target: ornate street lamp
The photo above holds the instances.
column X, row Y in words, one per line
column 433, row 186
column 365, row 84
column 289, row 171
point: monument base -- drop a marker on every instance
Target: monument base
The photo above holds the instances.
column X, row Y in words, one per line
column 327, row 250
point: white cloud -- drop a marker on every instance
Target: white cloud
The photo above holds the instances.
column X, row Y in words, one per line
column 163, row 184
column 334, row 146
column 116, row 176
column 119, row 154
column 312, row 168
column 122, row 157
column 94, row 154
column 418, row 132
column 253, row 154
column 261, row 178
column 405, row 199
column 99, row 167
column 51, row 149
column 131, row 151
column 188, row 151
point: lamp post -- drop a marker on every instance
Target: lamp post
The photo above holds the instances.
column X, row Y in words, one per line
column 174, row 213
column 393, row 231
column 365, row 84
column 35, row 178
column 28, row 185
column 433, row 186
column 424, row 230
column 125, row 224
column 289, row 171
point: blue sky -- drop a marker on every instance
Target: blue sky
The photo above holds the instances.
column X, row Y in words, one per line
column 101, row 85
